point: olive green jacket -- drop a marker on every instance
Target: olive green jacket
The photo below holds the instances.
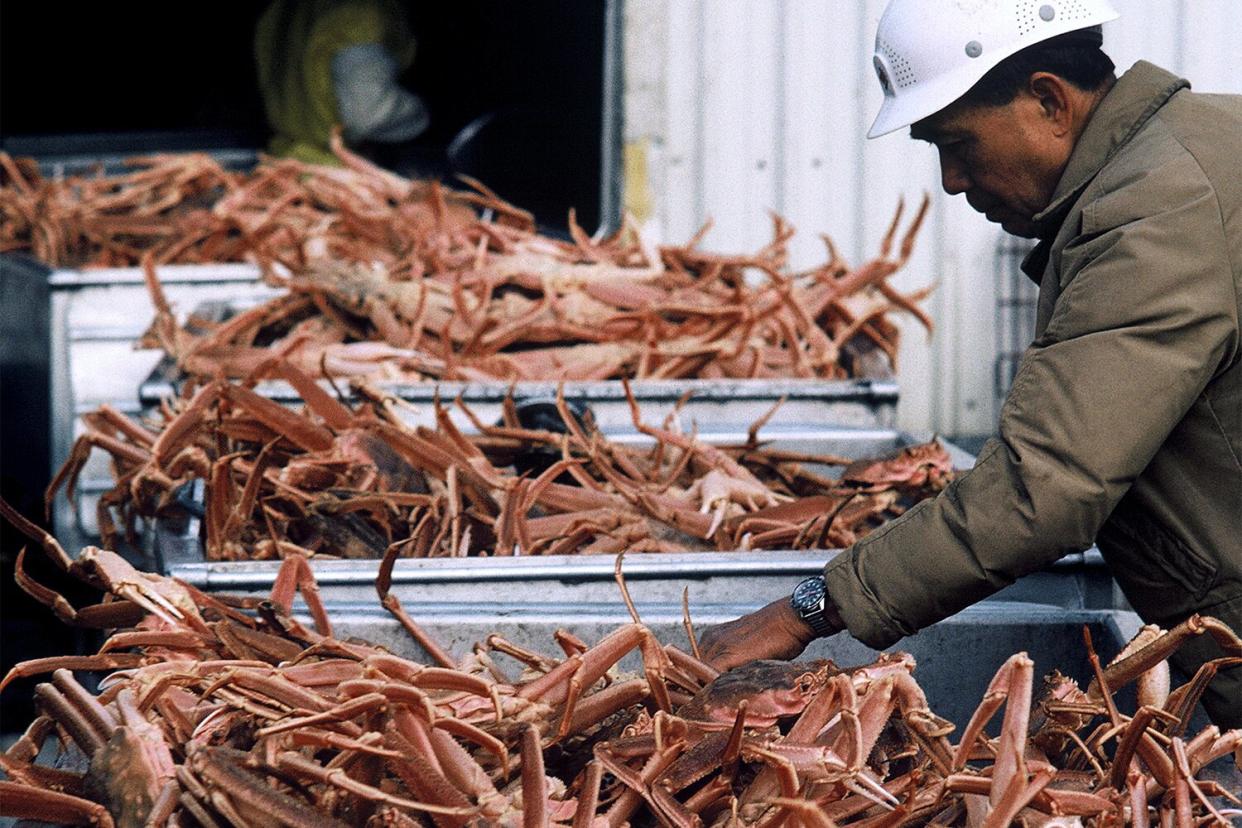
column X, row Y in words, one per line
column 1124, row 424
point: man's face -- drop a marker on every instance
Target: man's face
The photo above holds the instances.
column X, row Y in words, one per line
column 1006, row 159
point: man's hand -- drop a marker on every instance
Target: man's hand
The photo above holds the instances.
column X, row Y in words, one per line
column 775, row 631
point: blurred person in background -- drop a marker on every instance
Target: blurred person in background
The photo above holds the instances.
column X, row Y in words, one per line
column 327, row 62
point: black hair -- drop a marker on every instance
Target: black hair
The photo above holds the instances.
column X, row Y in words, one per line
column 1075, row 56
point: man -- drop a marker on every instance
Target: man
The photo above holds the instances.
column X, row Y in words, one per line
column 1124, row 423
column 328, row 62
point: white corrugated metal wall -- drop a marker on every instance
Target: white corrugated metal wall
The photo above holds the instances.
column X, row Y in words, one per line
column 734, row 108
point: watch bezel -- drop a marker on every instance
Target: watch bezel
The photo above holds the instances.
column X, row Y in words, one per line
column 808, row 595
column 812, row 589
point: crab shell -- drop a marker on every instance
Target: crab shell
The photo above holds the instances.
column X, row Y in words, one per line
column 773, row 690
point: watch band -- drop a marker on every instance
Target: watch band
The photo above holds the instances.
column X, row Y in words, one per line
column 817, row 620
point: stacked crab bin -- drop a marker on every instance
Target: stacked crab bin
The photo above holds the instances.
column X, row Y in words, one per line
column 68, row 347
column 460, row 601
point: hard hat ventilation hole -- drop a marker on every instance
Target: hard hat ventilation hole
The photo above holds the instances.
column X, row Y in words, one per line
column 1033, row 14
column 903, row 72
column 1028, row 16
column 1073, row 10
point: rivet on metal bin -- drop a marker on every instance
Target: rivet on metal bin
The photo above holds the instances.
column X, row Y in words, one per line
column 1046, row 13
column 974, row 48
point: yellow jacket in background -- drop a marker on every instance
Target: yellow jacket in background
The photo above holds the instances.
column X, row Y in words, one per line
column 295, row 43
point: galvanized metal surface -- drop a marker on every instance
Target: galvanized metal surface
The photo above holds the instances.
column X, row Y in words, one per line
column 866, row 403
column 94, row 318
column 956, row 658
column 1076, row 582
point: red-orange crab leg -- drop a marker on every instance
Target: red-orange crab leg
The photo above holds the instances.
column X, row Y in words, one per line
column 50, row 546
column 390, row 602
column 252, row 645
column 333, row 413
column 421, row 771
column 637, row 783
column 1134, row 737
column 1016, row 796
column 182, row 428
column 235, row 789
column 100, row 719
column 296, row 428
column 339, row 715
column 534, row 782
column 295, row 574
column 271, row 685
column 429, row 678
column 1008, row 678
column 570, row 643
column 315, row 737
column 588, row 795
column 66, row 476
column 603, row 703
column 1128, row 669
column 172, row 639
column 113, row 614
column 95, row 663
column 79, row 727
column 1181, row 702
column 1010, row 766
column 164, row 804
column 806, row 812
column 298, row 765
column 41, row 777
column 24, row 802
column 461, row 769
column 701, row 671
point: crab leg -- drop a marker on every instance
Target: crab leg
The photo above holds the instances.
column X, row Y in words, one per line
column 300, row 766
column 24, row 802
column 95, row 663
column 295, row 573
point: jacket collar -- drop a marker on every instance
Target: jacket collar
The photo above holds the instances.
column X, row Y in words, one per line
column 1136, row 96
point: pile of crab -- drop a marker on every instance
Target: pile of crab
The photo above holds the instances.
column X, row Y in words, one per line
column 213, row 712
column 485, row 300
column 406, row 279
column 187, row 208
column 358, row 481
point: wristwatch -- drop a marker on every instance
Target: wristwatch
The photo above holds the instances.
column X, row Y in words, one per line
column 810, row 601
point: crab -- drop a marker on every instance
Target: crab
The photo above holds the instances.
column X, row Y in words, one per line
column 927, row 465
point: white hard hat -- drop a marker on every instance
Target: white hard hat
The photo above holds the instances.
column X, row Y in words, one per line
column 928, row 53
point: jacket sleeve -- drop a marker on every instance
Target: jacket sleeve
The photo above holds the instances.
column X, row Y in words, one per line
column 1146, row 316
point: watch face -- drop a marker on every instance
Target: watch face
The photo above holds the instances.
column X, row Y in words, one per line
column 808, row 595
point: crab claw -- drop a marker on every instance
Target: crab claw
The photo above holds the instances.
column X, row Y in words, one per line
column 717, row 487
column 162, row 597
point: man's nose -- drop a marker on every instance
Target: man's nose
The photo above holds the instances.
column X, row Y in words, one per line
column 953, row 175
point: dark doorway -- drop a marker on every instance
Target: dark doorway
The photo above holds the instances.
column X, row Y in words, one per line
column 516, row 90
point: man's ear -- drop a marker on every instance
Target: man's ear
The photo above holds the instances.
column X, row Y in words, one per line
column 1054, row 96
